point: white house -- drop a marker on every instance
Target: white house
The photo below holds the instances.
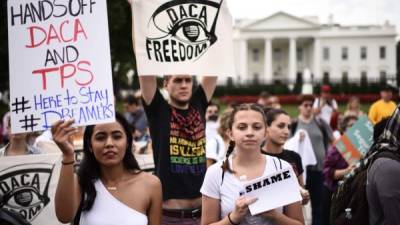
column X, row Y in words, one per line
column 282, row 47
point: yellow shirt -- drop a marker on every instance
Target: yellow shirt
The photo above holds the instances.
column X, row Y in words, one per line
column 381, row 109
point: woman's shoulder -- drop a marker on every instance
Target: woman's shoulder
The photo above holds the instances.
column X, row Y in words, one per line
column 149, row 179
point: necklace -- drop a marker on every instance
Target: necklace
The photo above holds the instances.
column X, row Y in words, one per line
column 112, row 188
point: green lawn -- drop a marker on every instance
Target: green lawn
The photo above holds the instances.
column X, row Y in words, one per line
column 293, row 110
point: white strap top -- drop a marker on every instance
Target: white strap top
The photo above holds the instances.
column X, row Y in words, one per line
column 108, row 210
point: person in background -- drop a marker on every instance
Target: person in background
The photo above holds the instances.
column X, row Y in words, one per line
column 321, row 137
column 325, row 105
column 263, row 99
column 353, row 107
column 5, row 130
column 134, row 114
column 382, row 108
column 215, row 146
column 278, row 131
column 273, row 102
column 335, row 168
column 177, row 130
column 222, row 202
column 109, row 187
column 18, row 144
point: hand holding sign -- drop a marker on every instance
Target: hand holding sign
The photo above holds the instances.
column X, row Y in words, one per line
column 62, row 132
column 269, row 190
column 241, row 208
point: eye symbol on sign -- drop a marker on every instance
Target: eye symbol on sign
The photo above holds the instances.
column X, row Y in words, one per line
column 190, row 31
column 23, row 197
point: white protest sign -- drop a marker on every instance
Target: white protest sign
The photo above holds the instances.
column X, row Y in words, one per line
column 60, row 64
column 28, row 185
column 273, row 190
column 183, row 37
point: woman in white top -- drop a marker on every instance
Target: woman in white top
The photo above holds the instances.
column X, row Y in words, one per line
column 114, row 188
column 222, row 202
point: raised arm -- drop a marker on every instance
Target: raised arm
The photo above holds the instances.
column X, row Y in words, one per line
column 68, row 195
column 209, row 83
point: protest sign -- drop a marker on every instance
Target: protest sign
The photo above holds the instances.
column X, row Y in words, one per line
column 183, row 37
column 357, row 140
column 60, row 63
column 28, row 185
column 273, row 190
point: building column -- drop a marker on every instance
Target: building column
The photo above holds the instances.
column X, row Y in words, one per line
column 317, row 59
column 268, row 61
column 292, row 60
column 243, row 60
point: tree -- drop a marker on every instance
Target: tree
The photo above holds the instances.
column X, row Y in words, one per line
column 398, row 64
column 122, row 58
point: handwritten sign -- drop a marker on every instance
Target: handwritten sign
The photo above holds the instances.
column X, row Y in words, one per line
column 357, row 140
column 273, row 191
column 60, row 63
column 28, row 185
column 183, row 37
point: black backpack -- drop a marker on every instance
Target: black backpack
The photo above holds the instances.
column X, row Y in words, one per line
column 349, row 204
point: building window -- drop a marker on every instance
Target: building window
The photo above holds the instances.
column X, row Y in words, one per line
column 277, row 54
column 326, row 53
column 256, row 55
column 299, row 54
column 345, row 77
column 363, row 53
column 256, row 78
column 326, row 78
column 345, row 53
column 382, row 52
column 382, row 76
column 364, row 78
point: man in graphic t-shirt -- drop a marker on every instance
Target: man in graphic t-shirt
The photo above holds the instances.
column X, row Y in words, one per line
column 177, row 129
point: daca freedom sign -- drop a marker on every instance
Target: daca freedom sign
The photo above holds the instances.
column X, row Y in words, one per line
column 27, row 186
column 183, row 37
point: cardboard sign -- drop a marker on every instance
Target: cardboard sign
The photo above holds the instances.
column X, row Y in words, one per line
column 60, row 63
column 273, row 191
column 183, row 37
column 28, row 185
column 357, row 140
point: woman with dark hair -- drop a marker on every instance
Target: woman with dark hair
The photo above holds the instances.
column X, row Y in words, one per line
column 278, row 131
column 109, row 188
column 222, row 202
column 335, row 169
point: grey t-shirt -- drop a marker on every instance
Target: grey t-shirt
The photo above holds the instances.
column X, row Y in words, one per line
column 383, row 192
column 317, row 139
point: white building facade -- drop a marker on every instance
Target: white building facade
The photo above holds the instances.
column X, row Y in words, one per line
column 283, row 47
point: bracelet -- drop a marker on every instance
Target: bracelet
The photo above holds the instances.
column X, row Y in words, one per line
column 68, row 163
column 230, row 220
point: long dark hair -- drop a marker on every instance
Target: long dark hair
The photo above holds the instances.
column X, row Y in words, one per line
column 89, row 170
column 272, row 114
column 242, row 107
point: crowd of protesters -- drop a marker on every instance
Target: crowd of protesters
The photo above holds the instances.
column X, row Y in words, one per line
column 194, row 195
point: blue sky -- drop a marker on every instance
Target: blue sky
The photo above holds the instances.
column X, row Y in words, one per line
column 345, row 12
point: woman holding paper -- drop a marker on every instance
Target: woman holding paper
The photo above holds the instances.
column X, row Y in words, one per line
column 223, row 200
column 110, row 188
column 278, row 131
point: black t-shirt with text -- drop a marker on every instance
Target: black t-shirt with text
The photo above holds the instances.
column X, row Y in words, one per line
column 178, row 138
column 293, row 158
